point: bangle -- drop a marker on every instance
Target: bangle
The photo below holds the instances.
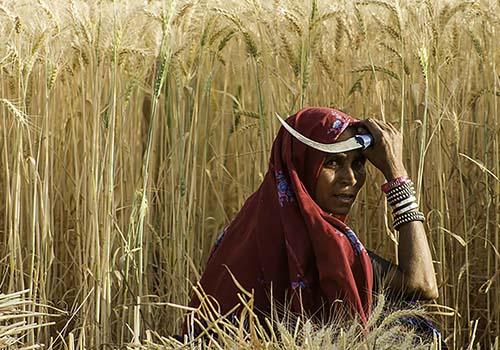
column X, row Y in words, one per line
column 406, row 187
column 400, row 194
column 394, row 183
column 415, row 216
column 408, row 217
column 410, row 207
column 404, row 202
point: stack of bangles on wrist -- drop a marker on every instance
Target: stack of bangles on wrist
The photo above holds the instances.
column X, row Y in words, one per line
column 401, row 196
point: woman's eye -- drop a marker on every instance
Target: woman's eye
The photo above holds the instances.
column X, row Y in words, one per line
column 359, row 164
column 332, row 162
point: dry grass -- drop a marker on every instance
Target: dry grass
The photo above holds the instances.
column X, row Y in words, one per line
column 283, row 330
column 132, row 131
column 17, row 324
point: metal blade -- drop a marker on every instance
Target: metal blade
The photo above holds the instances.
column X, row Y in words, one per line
column 338, row 147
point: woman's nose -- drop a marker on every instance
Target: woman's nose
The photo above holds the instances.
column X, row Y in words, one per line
column 347, row 176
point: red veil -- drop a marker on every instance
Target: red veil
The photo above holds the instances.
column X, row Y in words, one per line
column 281, row 239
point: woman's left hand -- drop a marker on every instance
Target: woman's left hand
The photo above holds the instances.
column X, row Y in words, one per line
column 415, row 275
column 386, row 154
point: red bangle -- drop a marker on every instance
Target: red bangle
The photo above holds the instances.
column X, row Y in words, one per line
column 389, row 185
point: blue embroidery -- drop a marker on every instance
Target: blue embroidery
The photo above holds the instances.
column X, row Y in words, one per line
column 337, row 125
column 285, row 193
column 355, row 243
column 420, row 324
column 298, row 284
column 219, row 237
column 218, row 240
column 233, row 317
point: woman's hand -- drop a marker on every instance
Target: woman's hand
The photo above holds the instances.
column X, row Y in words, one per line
column 414, row 275
column 387, row 152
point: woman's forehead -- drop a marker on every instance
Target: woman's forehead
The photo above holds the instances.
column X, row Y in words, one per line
column 356, row 153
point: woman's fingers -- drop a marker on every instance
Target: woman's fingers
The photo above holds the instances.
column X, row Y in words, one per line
column 371, row 125
column 374, row 128
column 385, row 125
column 393, row 127
column 386, row 153
column 379, row 127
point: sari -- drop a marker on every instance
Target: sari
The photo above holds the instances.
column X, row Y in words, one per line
column 282, row 244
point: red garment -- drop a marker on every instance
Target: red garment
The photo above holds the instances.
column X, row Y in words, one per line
column 281, row 237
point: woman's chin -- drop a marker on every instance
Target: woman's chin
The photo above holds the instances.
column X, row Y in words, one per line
column 341, row 207
column 340, row 213
column 340, row 210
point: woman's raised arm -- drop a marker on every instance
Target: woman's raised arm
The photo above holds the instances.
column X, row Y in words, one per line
column 414, row 275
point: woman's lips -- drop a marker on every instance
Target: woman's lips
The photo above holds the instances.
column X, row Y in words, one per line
column 345, row 198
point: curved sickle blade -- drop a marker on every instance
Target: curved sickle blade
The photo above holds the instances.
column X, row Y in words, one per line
column 355, row 142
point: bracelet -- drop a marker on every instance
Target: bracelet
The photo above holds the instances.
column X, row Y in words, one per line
column 408, row 217
column 404, row 202
column 394, row 200
column 400, row 193
column 403, row 190
column 407, row 208
column 398, row 200
column 406, row 187
column 394, row 183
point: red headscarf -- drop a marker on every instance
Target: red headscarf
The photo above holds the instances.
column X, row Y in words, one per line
column 281, row 239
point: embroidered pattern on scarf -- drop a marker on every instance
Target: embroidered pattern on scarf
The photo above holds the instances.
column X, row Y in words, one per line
column 217, row 242
column 285, row 193
column 284, row 230
column 337, row 126
column 355, row 243
column 299, row 284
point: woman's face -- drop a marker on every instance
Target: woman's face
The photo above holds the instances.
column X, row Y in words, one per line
column 340, row 179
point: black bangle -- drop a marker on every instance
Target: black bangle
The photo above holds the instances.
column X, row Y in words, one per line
column 408, row 217
column 400, row 191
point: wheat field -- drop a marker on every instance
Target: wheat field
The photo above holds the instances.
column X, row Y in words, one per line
column 132, row 131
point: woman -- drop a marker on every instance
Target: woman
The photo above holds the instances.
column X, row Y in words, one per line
column 290, row 239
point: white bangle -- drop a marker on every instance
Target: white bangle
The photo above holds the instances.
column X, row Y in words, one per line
column 408, row 208
column 404, row 202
